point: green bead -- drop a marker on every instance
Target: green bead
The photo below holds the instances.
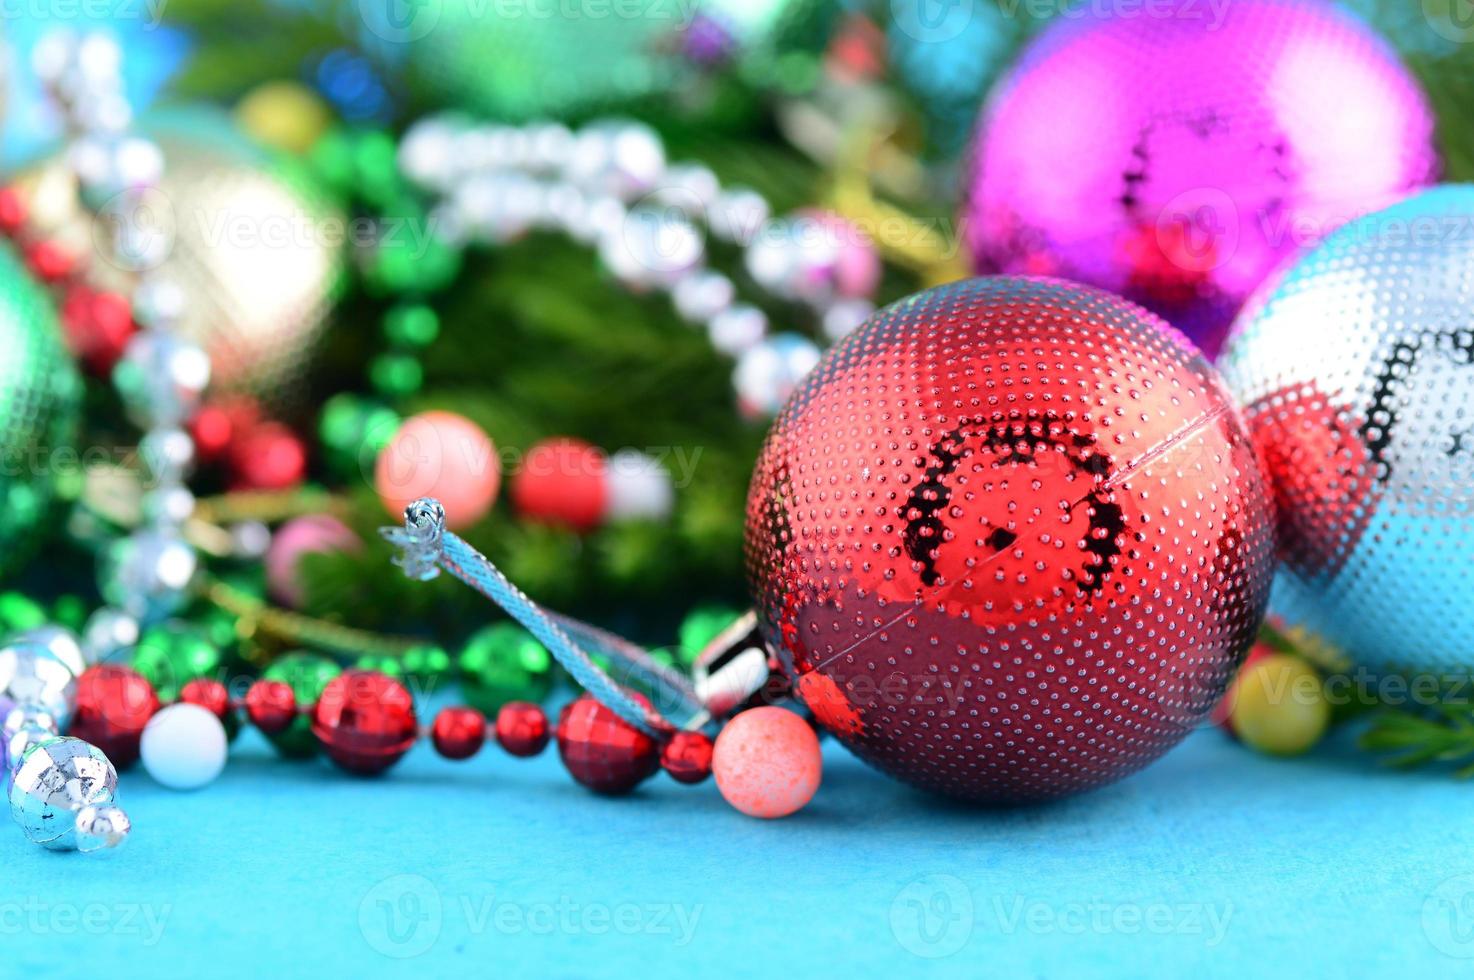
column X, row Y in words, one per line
column 69, row 611
column 332, row 158
column 396, row 375
column 427, row 665
column 380, row 664
column 437, row 265
column 501, row 663
column 376, row 168
column 18, row 612
column 307, row 674
column 171, row 655
column 701, row 627
column 411, row 325
column 354, row 430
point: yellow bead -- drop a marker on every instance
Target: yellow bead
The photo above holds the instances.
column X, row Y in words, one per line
column 1279, row 705
column 284, row 114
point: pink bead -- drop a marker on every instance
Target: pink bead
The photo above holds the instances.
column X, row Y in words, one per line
column 313, row 534
column 441, row 455
column 767, row 762
column 857, row 268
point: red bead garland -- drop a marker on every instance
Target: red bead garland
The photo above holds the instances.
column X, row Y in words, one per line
column 522, row 729
column 687, row 757
column 603, row 751
column 271, row 705
column 458, row 733
column 365, row 721
column 114, row 703
column 209, row 694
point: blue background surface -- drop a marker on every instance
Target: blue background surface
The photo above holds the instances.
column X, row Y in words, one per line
column 1215, row 860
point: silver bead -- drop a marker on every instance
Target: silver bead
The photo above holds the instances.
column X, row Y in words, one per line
column 158, row 303
column 108, row 631
column 101, row 827
column 53, row 55
column 737, row 215
column 61, row 642
column 28, row 715
column 161, row 378
column 702, row 296
column 652, row 248
column 737, row 328
column 624, row 159
column 427, row 153
column 33, row 675
column 602, row 216
column 99, row 60
column 845, row 316
column 148, row 573
column 168, row 454
column 250, row 539
column 767, row 374
column 690, row 187
column 496, row 207
column 169, row 505
column 551, row 146
column 19, row 741
column 54, row 781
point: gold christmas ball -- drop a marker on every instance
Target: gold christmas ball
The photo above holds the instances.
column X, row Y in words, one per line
column 254, row 245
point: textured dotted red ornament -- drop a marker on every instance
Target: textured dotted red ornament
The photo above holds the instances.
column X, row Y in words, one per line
column 1010, row 539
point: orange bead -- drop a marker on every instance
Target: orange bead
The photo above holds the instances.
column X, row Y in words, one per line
column 440, row 455
column 767, row 762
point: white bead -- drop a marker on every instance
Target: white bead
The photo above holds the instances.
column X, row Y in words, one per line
column 737, row 214
column 551, row 146
column 53, row 55
column 99, row 60
column 168, row 454
column 170, row 505
column 184, row 746
column 108, row 631
column 737, row 329
column 652, row 248
column 137, row 162
column 690, row 187
column 700, row 297
column 158, row 303
column 624, row 159
column 767, row 373
column 426, row 154
column 845, row 316
column 638, row 488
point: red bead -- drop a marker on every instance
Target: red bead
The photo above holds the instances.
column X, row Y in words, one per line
column 268, row 457
column 13, row 211
column 98, row 326
column 365, row 721
column 562, row 481
column 458, row 733
column 522, row 729
column 209, row 694
column 601, row 750
column 271, row 705
column 687, row 757
column 114, row 703
column 50, row 261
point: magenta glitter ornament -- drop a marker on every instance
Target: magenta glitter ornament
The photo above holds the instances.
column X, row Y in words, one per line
column 1178, row 157
column 1009, row 539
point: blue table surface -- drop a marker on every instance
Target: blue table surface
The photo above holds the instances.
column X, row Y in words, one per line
column 1214, row 860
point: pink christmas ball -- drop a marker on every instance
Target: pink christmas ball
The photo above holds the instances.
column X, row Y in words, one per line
column 1178, row 156
column 767, row 762
column 441, row 455
column 315, row 533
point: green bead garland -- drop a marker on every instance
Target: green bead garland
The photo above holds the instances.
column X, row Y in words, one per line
column 172, row 654
column 503, row 663
column 306, row 674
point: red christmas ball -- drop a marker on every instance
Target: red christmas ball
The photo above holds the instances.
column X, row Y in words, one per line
column 562, row 481
column 98, row 326
column 601, row 750
column 1009, row 539
column 687, row 757
column 365, row 721
column 458, row 733
column 522, row 729
column 271, row 706
column 114, row 704
column 268, row 457
column 51, row 261
column 13, row 211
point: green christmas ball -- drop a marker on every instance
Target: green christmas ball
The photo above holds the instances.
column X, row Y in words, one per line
column 40, row 394
column 307, row 674
column 501, row 663
column 172, row 654
column 701, row 627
